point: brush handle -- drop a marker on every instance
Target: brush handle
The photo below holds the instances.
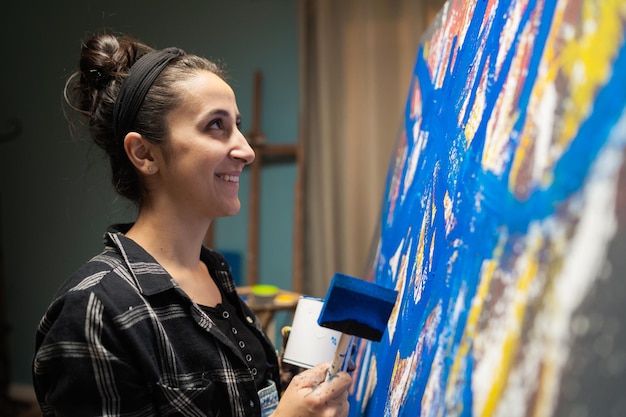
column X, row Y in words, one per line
column 340, row 355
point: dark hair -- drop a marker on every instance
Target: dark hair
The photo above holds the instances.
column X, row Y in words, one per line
column 105, row 61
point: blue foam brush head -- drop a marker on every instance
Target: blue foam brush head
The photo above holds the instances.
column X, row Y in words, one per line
column 357, row 307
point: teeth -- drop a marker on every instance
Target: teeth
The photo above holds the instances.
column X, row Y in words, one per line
column 230, row 178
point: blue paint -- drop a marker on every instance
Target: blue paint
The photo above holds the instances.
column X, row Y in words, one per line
column 479, row 222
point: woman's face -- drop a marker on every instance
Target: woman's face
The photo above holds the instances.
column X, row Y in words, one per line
column 205, row 153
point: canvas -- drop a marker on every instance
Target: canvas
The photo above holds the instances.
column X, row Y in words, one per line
column 503, row 223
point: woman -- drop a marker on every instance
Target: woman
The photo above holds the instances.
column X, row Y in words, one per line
column 153, row 325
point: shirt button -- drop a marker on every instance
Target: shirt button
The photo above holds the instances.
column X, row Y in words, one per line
column 242, row 344
column 250, row 319
column 225, row 314
column 234, row 330
column 249, row 357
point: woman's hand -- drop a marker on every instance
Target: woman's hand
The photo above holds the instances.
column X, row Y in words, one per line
column 310, row 395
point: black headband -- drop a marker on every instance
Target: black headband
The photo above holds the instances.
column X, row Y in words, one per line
column 134, row 88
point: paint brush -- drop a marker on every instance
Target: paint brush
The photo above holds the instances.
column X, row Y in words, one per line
column 356, row 308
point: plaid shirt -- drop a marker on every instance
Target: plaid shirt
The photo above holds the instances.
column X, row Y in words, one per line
column 122, row 339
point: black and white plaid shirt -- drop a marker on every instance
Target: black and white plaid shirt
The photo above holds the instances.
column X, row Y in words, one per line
column 122, row 339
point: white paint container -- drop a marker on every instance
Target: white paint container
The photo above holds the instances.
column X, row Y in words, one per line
column 309, row 343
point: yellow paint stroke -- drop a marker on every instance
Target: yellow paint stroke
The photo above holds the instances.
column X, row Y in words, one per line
column 403, row 373
column 419, row 256
column 517, row 312
column 594, row 51
column 477, row 110
column 511, row 342
column 584, row 59
column 489, row 268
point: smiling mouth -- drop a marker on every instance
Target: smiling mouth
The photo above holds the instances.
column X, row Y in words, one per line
column 229, row 178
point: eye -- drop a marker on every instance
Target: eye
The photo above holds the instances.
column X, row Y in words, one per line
column 216, row 124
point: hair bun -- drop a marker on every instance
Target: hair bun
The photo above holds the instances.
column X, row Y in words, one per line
column 97, row 78
column 105, row 57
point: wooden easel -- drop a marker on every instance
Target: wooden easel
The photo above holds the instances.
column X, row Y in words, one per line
column 266, row 154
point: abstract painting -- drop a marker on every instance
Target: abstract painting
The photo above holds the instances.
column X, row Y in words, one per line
column 500, row 225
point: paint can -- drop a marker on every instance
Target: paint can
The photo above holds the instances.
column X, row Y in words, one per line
column 309, row 343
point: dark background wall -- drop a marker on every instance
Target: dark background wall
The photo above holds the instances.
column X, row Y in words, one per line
column 55, row 197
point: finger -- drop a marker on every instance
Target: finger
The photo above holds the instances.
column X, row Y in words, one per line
column 311, row 377
column 334, row 398
column 335, row 407
column 320, row 370
column 340, row 381
column 345, row 410
column 339, row 409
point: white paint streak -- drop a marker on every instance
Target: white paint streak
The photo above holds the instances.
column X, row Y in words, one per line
column 543, row 119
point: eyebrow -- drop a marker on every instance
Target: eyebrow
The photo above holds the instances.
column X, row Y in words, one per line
column 224, row 113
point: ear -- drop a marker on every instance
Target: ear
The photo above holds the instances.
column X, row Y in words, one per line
column 141, row 153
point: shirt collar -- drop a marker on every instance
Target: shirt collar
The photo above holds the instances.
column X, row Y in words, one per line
column 149, row 276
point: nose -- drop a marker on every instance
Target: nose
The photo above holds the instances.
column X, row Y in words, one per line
column 242, row 150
